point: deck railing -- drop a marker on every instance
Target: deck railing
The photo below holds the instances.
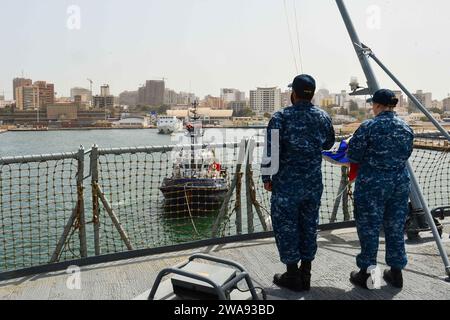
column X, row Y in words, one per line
column 75, row 205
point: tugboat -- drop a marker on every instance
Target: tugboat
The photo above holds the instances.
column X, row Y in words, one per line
column 199, row 183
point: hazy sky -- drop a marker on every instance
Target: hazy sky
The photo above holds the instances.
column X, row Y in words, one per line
column 204, row 45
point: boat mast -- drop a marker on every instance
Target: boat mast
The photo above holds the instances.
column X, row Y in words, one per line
column 417, row 198
column 193, row 133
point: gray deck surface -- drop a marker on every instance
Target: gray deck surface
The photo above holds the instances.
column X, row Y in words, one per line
column 424, row 276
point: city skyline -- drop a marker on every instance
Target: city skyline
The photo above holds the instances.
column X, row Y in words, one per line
column 245, row 48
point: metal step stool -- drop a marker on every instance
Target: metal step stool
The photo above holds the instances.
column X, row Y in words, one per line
column 209, row 289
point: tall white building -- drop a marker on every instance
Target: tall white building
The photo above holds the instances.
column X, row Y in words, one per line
column 265, row 100
column 104, row 91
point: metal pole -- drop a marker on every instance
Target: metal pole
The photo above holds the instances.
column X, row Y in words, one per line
column 95, row 200
column 418, row 104
column 345, row 194
column 62, row 240
column 430, row 219
column 81, row 217
column 417, row 200
column 248, row 186
column 114, row 219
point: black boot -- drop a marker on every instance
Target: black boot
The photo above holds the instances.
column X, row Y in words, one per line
column 290, row 280
column 394, row 277
column 305, row 275
column 360, row 278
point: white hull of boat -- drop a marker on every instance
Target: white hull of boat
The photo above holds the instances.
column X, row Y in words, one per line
column 169, row 127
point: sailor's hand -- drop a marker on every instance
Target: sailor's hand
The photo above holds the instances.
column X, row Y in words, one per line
column 268, row 186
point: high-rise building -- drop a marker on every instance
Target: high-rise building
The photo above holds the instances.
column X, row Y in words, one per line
column 20, row 82
column 27, row 98
column 86, row 94
column 231, row 95
column 425, row 98
column 152, row 93
column 185, row 98
column 128, row 98
column 170, row 97
column 46, row 93
column 141, row 96
column 265, row 100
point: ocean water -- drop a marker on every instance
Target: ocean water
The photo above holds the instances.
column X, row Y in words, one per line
column 45, row 142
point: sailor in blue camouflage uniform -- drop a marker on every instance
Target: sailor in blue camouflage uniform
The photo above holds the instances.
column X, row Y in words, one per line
column 382, row 147
column 296, row 186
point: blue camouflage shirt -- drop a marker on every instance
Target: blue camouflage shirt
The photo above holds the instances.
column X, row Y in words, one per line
column 304, row 131
column 384, row 143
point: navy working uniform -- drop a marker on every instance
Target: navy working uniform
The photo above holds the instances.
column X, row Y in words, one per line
column 382, row 147
column 304, row 132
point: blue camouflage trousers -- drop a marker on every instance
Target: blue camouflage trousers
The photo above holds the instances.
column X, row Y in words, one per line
column 381, row 199
column 295, row 219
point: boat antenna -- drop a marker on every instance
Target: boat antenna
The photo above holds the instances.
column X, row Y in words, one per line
column 192, row 130
column 297, row 29
column 290, row 36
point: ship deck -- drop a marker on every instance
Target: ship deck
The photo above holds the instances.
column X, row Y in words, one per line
column 129, row 279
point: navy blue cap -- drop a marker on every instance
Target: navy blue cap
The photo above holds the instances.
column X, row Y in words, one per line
column 384, row 97
column 304, row 85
